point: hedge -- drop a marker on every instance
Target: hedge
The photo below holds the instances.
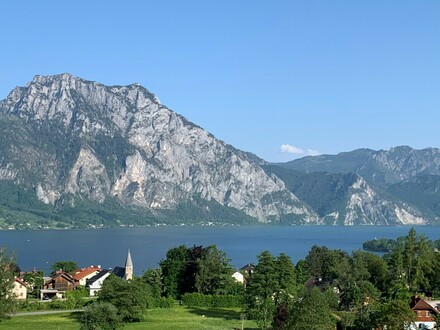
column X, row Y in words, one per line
column 219, row 301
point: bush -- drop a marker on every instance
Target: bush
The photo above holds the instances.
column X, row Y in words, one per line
column 100, row 315
column 218, row 301
column 161, row 302
column 28, row 306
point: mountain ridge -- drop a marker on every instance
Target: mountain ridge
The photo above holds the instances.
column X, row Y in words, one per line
column 82, row 138
column 79, row 154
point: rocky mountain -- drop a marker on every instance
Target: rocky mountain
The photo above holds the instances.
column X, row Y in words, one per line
column 400, row 185
column 79, row 154
column 347, row 199
column 381, row 167
column 76, row 153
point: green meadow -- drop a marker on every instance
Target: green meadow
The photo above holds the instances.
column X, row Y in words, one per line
column 178, row 317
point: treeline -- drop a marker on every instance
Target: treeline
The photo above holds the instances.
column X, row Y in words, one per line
column 360, row 290
column 379, row 245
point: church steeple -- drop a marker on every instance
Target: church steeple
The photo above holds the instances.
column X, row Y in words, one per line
column 128, row 267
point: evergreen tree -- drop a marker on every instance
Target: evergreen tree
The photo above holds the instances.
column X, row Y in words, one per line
column 263, row 285
column 214, row 274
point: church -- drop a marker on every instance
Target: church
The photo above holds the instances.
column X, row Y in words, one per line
column 125, row 272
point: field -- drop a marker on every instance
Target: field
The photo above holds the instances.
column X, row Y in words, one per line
column 178, row 317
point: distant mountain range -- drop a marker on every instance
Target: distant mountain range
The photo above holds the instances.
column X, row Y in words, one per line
column 79, row 154
column 396, row 186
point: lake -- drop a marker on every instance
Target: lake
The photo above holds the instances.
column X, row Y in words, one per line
column 108, row 247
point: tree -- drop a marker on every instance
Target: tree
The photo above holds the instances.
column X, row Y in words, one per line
column 100, row 316
column 312, row 310
column 375, row 266
column 286, row 290
column 324, row 262
column 385, row 315
column 64, row 265
column 7, row 266
column 192, row 268
column 301, row 272
column 129, row 297
column 153, row 279
column 261, row 289
column 285, row 274
column 412, row 263
column 358, row 295
column 213, row 274
column 174, row 270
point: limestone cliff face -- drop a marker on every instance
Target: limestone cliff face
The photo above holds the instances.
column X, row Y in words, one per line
column 366, row 207
column 402, row 163
column 81, row 138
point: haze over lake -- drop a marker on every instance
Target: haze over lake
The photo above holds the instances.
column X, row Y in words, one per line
column 108, row 247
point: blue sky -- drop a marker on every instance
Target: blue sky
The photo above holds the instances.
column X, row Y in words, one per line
column 281, row 79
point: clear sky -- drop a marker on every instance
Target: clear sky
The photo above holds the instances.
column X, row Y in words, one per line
column 281, row 79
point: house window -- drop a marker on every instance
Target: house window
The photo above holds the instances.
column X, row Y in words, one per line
column 419, row 313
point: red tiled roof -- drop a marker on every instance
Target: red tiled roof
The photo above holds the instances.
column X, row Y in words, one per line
column 20, row 281
column 81, row 273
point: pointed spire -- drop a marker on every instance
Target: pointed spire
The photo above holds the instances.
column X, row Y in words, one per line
column 128, row 267
column 128, row 262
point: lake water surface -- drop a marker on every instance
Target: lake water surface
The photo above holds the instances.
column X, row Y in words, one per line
column 108, row 247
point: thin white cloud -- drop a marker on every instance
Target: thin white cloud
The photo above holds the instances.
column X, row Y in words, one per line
column 290, row 149
column 287, row 148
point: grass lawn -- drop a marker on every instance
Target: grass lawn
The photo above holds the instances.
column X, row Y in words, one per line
column 64, row 321
column 178, row 317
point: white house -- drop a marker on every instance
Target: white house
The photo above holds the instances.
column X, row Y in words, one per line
column 238, row 277
column 94, row 284
column 20, row 289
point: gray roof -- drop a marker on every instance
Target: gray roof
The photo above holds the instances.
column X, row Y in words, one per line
column 97, row 276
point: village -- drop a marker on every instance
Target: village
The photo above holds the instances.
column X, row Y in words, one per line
column 280, row 281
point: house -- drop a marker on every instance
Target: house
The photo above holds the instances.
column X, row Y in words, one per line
column 238, row 277
column 94, row 284
column 82, row 275
column 57, row 286
column 20, row 289
column 125, row 272
column 426, row 312
column 247, row 269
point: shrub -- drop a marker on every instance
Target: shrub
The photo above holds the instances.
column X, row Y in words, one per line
column 161, row 302
column 100, row 315
column 219, row 301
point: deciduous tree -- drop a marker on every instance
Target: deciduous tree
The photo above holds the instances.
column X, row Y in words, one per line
column 64, row 265
column 7, row 264
column 129, row 297
column 173, row 271
column 312, row 310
